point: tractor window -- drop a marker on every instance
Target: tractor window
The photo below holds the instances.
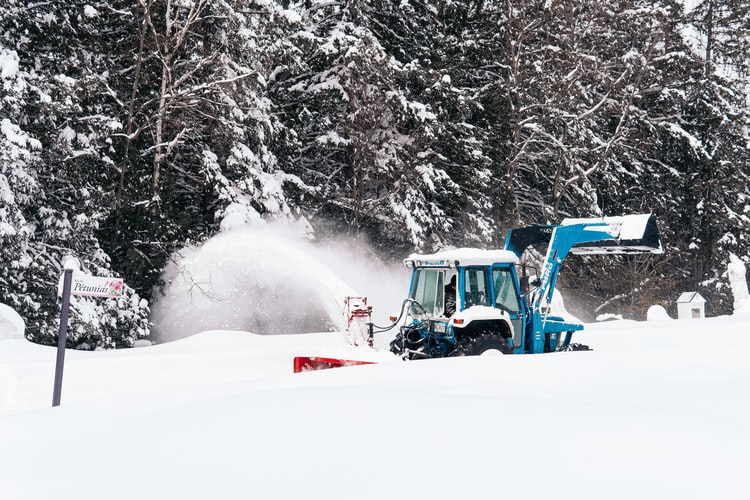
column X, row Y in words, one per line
column 505, row 291
column 428, row 290
column 440, row 294
column 476, row 288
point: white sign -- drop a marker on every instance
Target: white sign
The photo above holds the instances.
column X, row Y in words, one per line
column 95, row 286
column 75, row 282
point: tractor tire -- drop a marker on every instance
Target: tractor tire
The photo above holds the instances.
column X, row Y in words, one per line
column 488, row 342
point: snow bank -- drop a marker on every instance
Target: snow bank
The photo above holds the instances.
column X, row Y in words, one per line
column 657, row 313
column 12, row 325
column 649, row 414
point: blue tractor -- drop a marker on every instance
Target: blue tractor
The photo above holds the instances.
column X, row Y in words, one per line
column 468, row 301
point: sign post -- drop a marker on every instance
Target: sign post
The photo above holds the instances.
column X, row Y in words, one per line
column 62, row 337
column 75, row 282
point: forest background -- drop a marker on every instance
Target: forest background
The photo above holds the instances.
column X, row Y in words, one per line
column 132, row 128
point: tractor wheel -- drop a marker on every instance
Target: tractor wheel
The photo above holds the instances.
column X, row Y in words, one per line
column 488, row 342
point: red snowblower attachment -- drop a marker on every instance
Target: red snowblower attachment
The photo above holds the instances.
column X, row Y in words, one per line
column 358, row 333
column 312, row 363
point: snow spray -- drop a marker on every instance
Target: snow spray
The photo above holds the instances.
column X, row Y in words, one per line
column 271, row 279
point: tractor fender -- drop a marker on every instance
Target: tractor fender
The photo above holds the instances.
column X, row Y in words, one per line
column 484, row 315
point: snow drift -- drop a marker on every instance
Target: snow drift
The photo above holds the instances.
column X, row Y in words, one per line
column 655, row 411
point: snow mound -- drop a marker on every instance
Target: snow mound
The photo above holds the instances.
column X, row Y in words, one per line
column 12, row 325
column 736, row 272
column 609, row 317
column 657, row 313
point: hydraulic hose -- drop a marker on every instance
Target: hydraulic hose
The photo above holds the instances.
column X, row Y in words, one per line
column 380, row 329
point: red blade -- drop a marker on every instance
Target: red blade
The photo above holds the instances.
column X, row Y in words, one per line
column 310, row 363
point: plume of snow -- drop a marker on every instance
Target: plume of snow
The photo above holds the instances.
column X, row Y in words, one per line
column 271, row 279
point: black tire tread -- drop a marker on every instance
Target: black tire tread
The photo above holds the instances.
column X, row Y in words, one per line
column 487, row 342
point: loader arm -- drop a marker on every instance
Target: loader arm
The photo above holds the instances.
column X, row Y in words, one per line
column 562, row 240
column 608, row 235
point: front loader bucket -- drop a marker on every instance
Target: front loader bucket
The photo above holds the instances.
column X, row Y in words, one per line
column 625, row 234
column 630, row 234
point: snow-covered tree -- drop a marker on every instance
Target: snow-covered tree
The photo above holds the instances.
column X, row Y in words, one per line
column 360, row 136
column 724, row 34
column 129, row 129
column 19, row 160
column 60, row 118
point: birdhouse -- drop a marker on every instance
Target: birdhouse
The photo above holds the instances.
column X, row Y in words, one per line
column 691, row 305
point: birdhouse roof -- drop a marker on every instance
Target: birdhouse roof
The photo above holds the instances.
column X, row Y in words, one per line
column 691, row 297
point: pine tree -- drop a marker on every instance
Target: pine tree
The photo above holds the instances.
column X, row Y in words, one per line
column 65, row 113
column 359, row 136
column 19, row 187
column 716, row 173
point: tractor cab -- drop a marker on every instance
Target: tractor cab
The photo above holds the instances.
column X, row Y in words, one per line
column 458, row 297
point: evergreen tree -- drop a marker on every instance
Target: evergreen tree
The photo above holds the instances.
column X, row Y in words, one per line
column 716, row 174
column 64, row 113
column 199, row 129
column 130, row 129
column 724, row 26
column 360, row 137
column 19, row 187
column 686, row 134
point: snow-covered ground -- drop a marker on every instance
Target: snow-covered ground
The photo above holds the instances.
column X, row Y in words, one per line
column 658, row 410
